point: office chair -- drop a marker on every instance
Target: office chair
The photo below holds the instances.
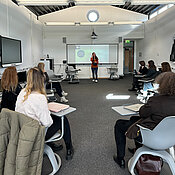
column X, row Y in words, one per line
column 113, row 70
column 53, row 78
column 155, row 142
column 54, row 158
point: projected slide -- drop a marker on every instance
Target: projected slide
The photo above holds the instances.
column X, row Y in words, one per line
column 81, row 54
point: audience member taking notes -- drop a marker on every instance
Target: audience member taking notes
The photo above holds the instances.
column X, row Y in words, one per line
column 32, row 102
column 150, row 115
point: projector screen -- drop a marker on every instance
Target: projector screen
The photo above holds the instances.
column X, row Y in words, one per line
column 81, row 54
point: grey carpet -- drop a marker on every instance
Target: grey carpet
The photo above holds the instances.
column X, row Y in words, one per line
column 92, row 126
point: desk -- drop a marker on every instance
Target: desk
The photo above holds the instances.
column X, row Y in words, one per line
column 61, row 114
column 122, row 111
column 64, row 112
column 113, row 73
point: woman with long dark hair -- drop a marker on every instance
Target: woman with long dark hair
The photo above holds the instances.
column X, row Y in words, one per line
column 142, row 71
column 165, row 67
column 94, row 67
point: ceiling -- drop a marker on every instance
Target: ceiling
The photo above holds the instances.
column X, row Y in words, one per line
column 143, row 9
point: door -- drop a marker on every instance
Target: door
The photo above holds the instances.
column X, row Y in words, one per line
column 128, row 57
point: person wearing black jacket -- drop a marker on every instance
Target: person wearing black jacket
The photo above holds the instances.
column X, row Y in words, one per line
column 142, row 71
column 10, row 87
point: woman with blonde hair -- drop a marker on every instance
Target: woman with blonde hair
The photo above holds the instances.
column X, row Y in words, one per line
column 32, row 102
column 55, row 85
column 10, row 87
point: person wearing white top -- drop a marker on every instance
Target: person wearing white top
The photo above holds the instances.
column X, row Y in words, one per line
column 32, row 102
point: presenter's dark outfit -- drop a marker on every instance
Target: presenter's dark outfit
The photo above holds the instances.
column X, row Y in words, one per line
column 150, row 115
column 94, row 67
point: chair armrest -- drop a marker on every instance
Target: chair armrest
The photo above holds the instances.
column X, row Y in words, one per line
column 139, row 76
column 146, row 80
column 142, row 127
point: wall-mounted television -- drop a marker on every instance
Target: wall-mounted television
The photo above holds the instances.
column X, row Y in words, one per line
column 10, row 52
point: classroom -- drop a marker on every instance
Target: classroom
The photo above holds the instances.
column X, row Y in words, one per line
column 88, row 57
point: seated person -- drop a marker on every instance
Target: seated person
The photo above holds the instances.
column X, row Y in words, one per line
column 151, row 70
column 165, row 67
column 10, row 87
column 55, row 85
column 150, row 114
column 32, row 102
column 142, row 71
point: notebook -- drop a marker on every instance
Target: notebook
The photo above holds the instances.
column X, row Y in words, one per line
column 134, row 107
column 57, row 107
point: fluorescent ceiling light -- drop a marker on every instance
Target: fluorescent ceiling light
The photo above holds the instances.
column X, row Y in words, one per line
column 93, row 23
column 129, row 22
column 117, row 97
column 146, row 2
column 59, row 23
column 99, row 2
column 42, row 2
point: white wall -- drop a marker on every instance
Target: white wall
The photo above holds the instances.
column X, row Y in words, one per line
column 158, row 38
column 17, row 22
column 52, row 35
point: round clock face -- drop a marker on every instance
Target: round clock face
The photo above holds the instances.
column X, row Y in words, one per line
column 93, row 15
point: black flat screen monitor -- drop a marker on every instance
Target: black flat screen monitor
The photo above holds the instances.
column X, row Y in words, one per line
column 10, row 52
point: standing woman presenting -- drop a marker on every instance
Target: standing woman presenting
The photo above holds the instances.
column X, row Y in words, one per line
column 94, row 67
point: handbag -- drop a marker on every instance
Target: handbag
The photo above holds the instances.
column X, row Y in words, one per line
column 149, row 165
column 95, row 64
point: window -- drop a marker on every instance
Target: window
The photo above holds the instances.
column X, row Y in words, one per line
column 166, row 7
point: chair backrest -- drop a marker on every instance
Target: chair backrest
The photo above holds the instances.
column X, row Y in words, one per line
column 162, row 136
column 51, row 74
column 155, row 74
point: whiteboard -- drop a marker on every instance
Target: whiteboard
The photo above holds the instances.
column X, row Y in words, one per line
column 81, row 53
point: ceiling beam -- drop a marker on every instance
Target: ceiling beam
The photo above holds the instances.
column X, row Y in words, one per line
column 138, row 8
column 126, row 5
column 129, row 5
column 134, row 7
column 149, row 9
column 39, row 9
column 33, row 10
column 144, row 8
